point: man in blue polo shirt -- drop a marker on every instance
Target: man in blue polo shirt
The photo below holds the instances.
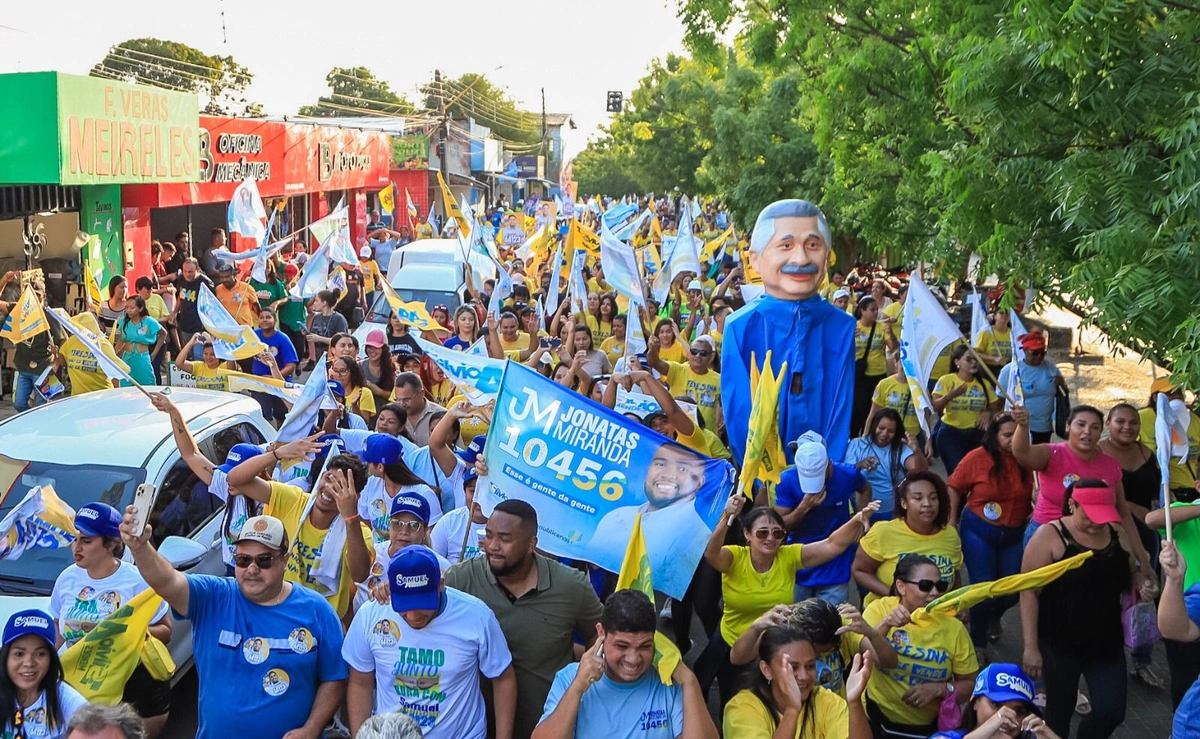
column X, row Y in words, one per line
column 615, row 690
column 815, row 498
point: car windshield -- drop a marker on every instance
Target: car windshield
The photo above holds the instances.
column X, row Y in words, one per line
column 37, row 569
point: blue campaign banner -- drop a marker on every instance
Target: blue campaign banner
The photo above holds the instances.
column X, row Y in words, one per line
column 588, row 471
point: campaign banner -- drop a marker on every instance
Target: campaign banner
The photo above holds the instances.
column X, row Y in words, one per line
column 589, row 471
column 476, row 377
column 642, row 405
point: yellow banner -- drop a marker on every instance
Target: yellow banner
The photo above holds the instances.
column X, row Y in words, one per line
column 711, row 248
column 412, row 314
column 452, row 209
column 958, row 601
column 635, row 575
column 387, row 199
column 99, row 664
column 764, row 458
column 25, row 318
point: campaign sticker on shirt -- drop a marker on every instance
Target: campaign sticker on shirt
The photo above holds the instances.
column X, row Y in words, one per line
column 899, row 638
column 276, row 682
column 301, row 641
column 35, row 723
column 386, row 632
column 1069, row 479
column 992, row 511
column 256, row 650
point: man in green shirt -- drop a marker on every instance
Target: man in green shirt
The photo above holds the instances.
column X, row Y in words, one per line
column 539, row 603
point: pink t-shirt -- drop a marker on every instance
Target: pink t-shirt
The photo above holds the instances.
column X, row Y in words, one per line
column 1064, row 468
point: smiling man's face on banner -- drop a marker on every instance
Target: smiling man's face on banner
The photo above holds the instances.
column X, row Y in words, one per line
column 674, row 476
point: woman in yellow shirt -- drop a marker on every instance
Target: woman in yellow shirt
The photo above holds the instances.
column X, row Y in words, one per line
column 966, row 401
column 920, row 527
column 995, row 345
column 873, row 339
column 935, row 657
column 359, row 398
column 210, row 373
column 601, row 321
column 670, row 348
column 758, row 577
column 786, row 701
column 614, row 346
column 893, row 392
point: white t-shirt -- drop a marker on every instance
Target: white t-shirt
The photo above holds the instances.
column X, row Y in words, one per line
column 446, row 539
column 219, row 487
column 431, row 674
column 424, row 466
column 35, row 725
column 379, row 571
column 78, row 602
column 375, row 505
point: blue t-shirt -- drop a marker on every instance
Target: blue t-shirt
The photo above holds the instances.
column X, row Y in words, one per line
column 281, row 346
column 457, row 344
column 382, row 250
column 1187, row 715
column 645, row 709
column 834, row 511
column 1038, row 385
column 882, row 485
column 258, row 665
column 949, row 735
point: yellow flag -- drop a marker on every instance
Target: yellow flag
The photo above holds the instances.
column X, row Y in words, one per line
column 586, row 238
column 764, row 458
column 412, row 314
column 656, row 227
column 651, row 260
column 387, row 199
column 752, row 276
column 412, row 207
column 99, row 664
column 89, row 283
column 236, row 382
column 452, row 209
column 711, row 248
column 635, row 575
column 25, row 318
column 958, row 601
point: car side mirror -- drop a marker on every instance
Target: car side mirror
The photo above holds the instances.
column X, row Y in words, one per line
column 181, row 552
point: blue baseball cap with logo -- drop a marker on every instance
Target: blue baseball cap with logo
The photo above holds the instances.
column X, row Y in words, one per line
column 336, row 387
column 469, row 474
column 415, row 579
column 1001, row 682
column 410, row 503
column 98, row 519
column 238, row 454
column 32, row 621
column 473, row 450
column 382, row 449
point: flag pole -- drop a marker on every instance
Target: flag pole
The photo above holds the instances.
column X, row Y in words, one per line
column 987, row 371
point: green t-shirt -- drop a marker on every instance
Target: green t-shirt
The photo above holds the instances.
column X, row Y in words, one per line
column 291, row 313
column 1187, row 538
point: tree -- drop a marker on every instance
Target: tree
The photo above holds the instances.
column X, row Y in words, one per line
column 602, row 168
column 474, row 96
column 357, row 91
column 219, row 81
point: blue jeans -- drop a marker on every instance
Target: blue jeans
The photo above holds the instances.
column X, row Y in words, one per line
column 990, row 553
column 24, row 385
column 835, row 594
column 954, row 443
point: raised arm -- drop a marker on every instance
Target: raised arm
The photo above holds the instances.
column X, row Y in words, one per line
column 1029, row 455
column 200, row 465
column 1173, row 619
column 247, row 479
column 441, row 438
column 841, row 539
column 677, row 416
column 158, row 573
column 715, row 552
column 653, row 359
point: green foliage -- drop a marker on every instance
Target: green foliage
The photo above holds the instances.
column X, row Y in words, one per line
column 357, row 91
column 603, row 167
column 473, row 95
column 219, row 81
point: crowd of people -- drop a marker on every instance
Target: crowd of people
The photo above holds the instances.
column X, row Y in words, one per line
column 367, row 591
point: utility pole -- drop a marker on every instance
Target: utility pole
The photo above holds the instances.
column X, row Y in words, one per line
column 545, row 147
column 444, row 128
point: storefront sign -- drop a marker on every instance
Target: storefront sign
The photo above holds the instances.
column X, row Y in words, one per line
column 325, row 158
column 100, row 216
column 410, row 152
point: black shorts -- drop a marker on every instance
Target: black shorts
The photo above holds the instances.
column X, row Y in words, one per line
column 148, row 696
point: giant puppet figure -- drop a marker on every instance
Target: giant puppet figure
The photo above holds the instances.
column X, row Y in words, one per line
column 790, row 249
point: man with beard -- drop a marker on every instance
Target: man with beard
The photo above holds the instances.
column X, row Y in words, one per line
column 538, row 602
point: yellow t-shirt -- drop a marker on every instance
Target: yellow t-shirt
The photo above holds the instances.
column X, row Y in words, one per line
column 362, row 402
column 287, row 504
column 895, row 310
column 424, row 231
column 156, row 307
column 706, row 443
column 82, row 369
column 512, row 349
column 705, row 389
column 442, row 392
column 601, row 330
column 747, row 718
column 749, row 594
column 832, row 667
column 963, row 412
column 894, row 394
column 614, row 347
column 877, row 358
column 471, row 426
column 209, row 379
column 371, row 274
column 888, row 541
column 677, row 353
column 996, row 344
column 941, row 366
column 932, row 649
column 1181, row 475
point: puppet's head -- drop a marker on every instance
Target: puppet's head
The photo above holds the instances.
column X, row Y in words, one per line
column 790, row 249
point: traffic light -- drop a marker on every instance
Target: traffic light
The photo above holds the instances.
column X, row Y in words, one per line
column 616, row 101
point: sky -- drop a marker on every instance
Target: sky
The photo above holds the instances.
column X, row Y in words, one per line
column 576, row 50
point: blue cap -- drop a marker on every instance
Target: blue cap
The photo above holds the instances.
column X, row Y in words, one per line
column 32, row 621
column 473, row 450
column 1002, row 682
column 238, row 454
column 415, row 577
column 382, row 449
column 469, row 474
column 335, row 387
column 410, row 503
column 98, row 519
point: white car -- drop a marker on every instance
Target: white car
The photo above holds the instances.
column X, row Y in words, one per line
column 99, row 447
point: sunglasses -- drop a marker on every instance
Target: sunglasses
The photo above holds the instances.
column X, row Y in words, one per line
column 762, row 534
column 264, row 561
column 926, row 585
column 700, row 352
column 398, row 525
column 1037, row 352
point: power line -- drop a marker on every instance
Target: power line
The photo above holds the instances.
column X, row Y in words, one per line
column 112, row 50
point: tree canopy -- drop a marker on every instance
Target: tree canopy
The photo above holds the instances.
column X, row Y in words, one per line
column 357, row 91
column 219, row 81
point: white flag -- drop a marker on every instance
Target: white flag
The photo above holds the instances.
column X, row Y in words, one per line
column 924, row 332
column 979, row 319
column 1018, row 330
column 620, row 264
column 246, row 214
column 302, row 417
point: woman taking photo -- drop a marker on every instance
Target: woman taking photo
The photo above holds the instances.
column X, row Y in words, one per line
column 966, row 404
column 113, row 309
column 872, row 342
column 1072, row 625
column 359, row 399
column 466, row 329
column 1001, row 707
column 97, row 586
column 886, row 454
column 592, row 361
column 998, row 497
column 670, row 348
column 922, row 515
column 759, row 576
column 378, row 369
column 934, row 652
column 786, row 702
column 138, row 337
column 1080, row 456
column 34, row 700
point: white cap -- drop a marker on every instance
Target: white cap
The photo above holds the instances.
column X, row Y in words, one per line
column 695, row 285
column 364, row 252
column 809, row 435
column 266, row 530
column 840, row 293
column 811, row 464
